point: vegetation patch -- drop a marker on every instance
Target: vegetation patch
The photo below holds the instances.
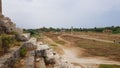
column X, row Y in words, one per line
column 33, row 32
column 60, row 42
column 109, row 66
column 6, row 41
column 23, row 52
column 53, row 45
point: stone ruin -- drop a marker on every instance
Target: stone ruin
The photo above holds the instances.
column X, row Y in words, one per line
column 6, row 25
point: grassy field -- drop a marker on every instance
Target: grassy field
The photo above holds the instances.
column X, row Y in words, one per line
column 95, row 48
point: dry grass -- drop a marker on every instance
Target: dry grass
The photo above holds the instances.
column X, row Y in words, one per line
column 96, row 48
column 54, row 36
column 93, row 48
column 56, row 41
column 104, row 36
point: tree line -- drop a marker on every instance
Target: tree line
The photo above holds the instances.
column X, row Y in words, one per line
column 114, row 29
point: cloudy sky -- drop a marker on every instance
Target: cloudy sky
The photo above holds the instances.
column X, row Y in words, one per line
column 63, row 13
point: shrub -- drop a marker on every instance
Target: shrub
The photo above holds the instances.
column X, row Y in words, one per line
column 6, row 40
column 23, row 52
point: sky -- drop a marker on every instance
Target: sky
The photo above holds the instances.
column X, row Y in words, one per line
column 63, row 13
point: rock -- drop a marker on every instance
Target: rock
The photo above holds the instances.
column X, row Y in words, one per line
column 32, row 40
column 38, row 59
column 23, row 37
column 39, row 43
column 29, row 46
column 6, row 26
column 42, row 47
column 40, row 51
column 27, row 35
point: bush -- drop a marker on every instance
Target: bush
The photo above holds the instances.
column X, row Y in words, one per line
column 23, row 52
